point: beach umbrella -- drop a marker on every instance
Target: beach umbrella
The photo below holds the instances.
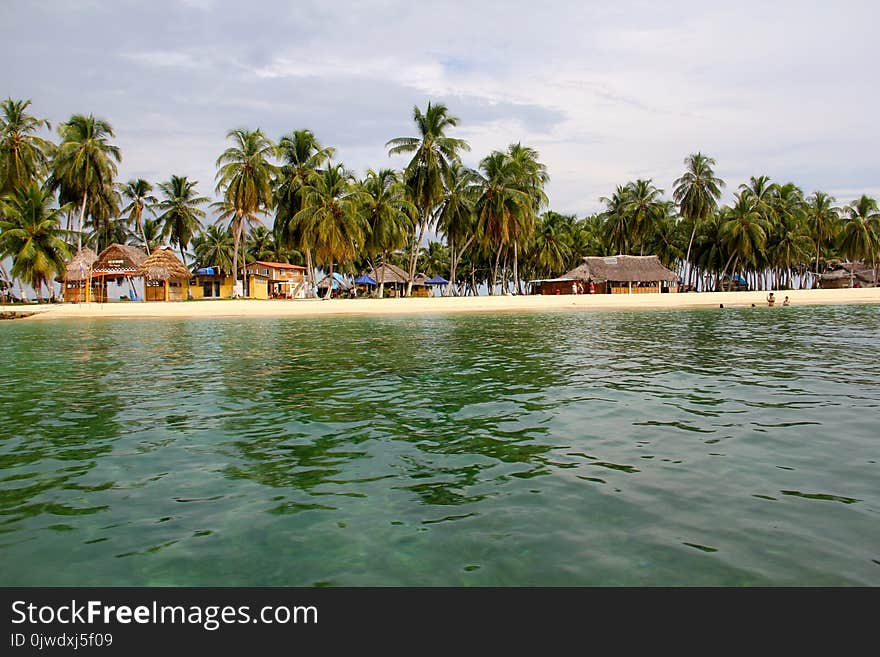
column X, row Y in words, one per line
column 363, row 279
column 437, row 280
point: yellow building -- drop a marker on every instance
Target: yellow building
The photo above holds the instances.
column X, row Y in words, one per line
column 210, row 283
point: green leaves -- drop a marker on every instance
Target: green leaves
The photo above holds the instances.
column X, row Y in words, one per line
column 23, row 155
column 31, row 234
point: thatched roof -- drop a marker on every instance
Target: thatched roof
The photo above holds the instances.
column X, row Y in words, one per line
column 841, row 270
column 392, row 274
column 119, row 259
column 163, row 265
column 621, row 268
column 80, row 266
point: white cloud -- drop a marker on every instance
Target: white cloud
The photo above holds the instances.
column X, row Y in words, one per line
column 606, row 92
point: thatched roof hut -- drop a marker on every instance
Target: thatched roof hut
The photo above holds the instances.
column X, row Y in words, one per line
column 163, row 265
column 165, row 276
column 622, row 268
column 840, row 274
column 80, row 266
column 119, row 260
column 389, row 274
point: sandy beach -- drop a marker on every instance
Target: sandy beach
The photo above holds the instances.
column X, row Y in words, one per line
column 416, row 306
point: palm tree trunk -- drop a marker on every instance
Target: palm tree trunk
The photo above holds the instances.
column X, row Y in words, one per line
column 414, row 254
column 721, row 280
column 448, row 291
column 382, row 274
column 82, row 214
column 516, row 287
column 243, row 243
column 144, row 235
column 687, row 258
column 329, row 282
column 310, row 274
column 495, row 270
column 183, row 260
column 234, row 260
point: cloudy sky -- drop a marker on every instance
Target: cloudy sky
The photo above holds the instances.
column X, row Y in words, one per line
column 606, row 91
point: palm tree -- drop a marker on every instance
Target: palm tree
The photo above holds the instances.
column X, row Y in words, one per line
column 151, row 236
column 433, row 153
column 860, row 233
column 301, row 155
column 455, row 218
column 330, row 220
column 789, row 242
column 137, row 192
column 23, row 155
column 666, row 239
column 434, row 259
column 551, row 251
column 389, row 216
column 180, row 212
column 744, row 232
column 823, row 218
column 260, row 244
column 616, row 222
column 644, row 208
column 502, row 206
column 84, row 164
column 31, row 234
column 244, row 176
column 214, row 247
column 531, row 176
column 697, row 193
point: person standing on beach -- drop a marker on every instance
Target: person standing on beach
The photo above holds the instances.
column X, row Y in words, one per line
column 771, row 300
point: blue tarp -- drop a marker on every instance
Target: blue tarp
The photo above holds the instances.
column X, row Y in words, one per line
column 363, row 279
column 206, row 271
column 437, row 280
column 338, row 279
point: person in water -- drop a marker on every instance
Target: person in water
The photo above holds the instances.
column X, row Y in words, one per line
column 771, row 300
column 786, row 302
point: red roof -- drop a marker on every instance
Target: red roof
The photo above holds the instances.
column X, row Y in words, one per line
column 276, row 265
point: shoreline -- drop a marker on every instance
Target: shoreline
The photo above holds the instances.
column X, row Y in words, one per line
column 227, row 308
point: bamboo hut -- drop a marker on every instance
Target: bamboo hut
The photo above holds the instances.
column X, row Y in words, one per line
column 165, row 276
column 621, row 274
column 395, row 280
column 75, row 282
column 118, row 262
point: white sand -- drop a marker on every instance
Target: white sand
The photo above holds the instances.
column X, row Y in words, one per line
column 485, row 304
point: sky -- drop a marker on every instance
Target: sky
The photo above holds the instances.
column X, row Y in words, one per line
column 606, row 92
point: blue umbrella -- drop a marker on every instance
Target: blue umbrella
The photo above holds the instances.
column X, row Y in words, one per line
column 437, row 280
column 363, row 279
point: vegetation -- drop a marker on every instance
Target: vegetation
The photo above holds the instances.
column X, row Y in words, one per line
column 491, row 226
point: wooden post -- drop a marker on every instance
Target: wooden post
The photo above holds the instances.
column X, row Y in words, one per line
column 166, row 289
column 630, row 287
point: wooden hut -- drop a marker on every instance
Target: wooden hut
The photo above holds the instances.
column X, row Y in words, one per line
column 621, row 274
column 77, row 277
column 117, row 262
column 395, row 280
column 165, row 276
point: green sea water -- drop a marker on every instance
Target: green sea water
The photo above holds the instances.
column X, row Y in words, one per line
column 702, row 447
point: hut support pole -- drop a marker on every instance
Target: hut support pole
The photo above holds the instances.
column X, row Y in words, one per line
column 166, row 289
column 630, row 287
